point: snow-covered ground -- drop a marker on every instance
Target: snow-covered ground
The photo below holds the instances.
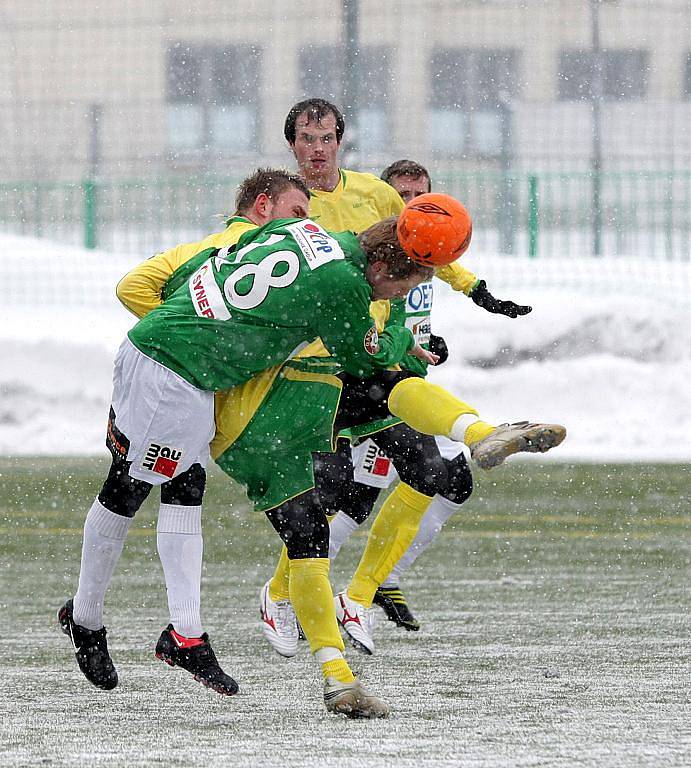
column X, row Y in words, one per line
column 606, row 350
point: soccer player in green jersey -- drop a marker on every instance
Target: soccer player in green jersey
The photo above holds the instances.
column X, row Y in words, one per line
column 236, row 312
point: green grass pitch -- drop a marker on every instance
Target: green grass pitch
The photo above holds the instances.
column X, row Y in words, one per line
column 555, row 631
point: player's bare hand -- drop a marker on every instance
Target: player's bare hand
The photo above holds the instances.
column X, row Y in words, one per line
column 424, row 354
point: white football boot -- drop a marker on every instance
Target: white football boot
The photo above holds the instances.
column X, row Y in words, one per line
column 279, row 623
column 357, row 621
column 521, row 437
column 352, row 700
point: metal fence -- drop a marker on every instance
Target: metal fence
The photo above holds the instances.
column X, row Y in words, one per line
column 545, row 214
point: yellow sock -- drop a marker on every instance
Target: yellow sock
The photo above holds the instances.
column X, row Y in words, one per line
column 313, row 602
column 391, row 534
column 339, row 669
column 426, row 407
column 279, row 584
column 477, row 431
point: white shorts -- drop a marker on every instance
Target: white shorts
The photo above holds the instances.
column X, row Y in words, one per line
column 371, row 466
column 162, row 422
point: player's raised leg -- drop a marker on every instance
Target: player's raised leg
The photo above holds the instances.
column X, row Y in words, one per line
column 433, row 411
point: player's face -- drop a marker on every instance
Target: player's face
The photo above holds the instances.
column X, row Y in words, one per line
column 408, row 187
column 386, row 287
column 316, row 149
column 291, row 204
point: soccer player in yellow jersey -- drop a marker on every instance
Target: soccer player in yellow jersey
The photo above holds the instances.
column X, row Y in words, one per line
column 347, row 199
column 373, row 470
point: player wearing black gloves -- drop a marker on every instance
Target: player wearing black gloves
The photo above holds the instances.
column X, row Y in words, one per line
column 375, row 464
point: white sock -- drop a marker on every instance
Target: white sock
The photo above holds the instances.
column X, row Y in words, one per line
column 180, row 547
column 340, row 529
column 460, row 425
column 436, row 514
column 104, row 538
column 322, row 655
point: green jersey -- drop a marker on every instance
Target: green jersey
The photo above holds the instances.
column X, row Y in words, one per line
column 236, row 311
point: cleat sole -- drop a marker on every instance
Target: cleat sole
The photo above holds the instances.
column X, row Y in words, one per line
column 540, row 441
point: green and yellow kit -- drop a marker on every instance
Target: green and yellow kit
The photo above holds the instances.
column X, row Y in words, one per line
column 244, row 309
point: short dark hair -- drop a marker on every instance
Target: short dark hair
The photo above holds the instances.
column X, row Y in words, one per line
column 269, row 181
column 406, row 168
column 316, row 109
column 380, row 243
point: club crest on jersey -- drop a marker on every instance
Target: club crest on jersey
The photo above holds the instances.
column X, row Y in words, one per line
column 419, row 299
column 316, row 244
column 161, row 459
column 372, row 341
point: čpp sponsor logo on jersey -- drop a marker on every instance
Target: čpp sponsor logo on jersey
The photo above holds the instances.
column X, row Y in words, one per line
column 316, row 245
column 161, row 459
column 419, row 299
column 321, row 242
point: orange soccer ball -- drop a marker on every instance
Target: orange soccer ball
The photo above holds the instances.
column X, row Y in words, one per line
column 434, row 229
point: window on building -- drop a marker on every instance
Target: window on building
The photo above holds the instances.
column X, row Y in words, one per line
column 321, row 73
column 212, row 97
column 624, row 74
column 322, row 76
column 470, row 95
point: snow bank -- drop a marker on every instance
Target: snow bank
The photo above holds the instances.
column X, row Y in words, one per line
column 604, row 351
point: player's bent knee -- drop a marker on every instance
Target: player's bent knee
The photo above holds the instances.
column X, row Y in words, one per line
column 303, row 526
column 460, row 480
column 425, row 473
column 122, row 494
column 187, row 489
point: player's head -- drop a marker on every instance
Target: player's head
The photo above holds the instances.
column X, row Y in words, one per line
column 271, row 193
column 314, row 129
column 408, row 178
column 389, row 271
column 314, row 111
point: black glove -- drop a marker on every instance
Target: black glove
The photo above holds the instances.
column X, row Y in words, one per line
column 437, row 346
column 483, row 298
